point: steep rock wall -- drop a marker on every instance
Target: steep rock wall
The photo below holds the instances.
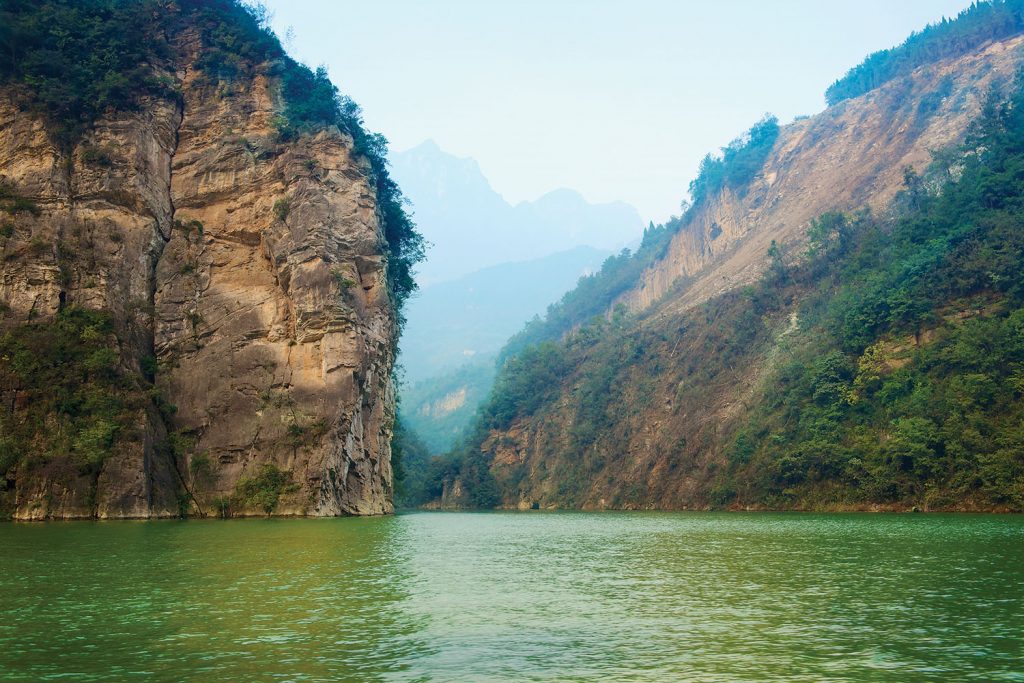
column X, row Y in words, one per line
column 274, row 321
column 251, row 269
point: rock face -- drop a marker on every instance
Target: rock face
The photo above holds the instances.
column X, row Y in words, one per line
column 252, row 270
column 667, row 425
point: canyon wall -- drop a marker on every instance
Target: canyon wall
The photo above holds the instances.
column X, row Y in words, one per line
column 245, row 275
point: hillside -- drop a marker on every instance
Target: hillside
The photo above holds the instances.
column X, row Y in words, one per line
column 204, row 260
column 834, row 323
column 455, row 330
column 850, row 156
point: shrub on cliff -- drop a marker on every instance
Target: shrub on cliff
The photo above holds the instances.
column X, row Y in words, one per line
column 72, row 61
column 738, row 162
column 265, row 488
column 68, row 398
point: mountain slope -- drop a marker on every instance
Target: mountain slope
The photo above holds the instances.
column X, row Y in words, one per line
column 455, row 329
column 734, row 381
column 852, row 155
column 451, row 322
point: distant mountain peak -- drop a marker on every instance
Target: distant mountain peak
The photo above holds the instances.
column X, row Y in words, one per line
column 472, row 226
column 431, row 150
column 427, row 145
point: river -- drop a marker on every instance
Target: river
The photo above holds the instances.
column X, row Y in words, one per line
column 517, row 597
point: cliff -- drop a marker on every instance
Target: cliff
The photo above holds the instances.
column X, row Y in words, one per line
column 241, row 275
column 748, row 365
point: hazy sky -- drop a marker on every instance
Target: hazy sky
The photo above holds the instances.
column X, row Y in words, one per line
column 617, row 99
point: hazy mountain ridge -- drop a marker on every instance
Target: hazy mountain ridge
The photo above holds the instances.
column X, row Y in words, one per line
column 471, row 226
column 439, row 409
column 449, row 323
column 455, row 330
column 492, row 267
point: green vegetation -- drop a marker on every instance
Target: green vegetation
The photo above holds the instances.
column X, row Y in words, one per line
column 200, row 469
column 421, row 477
column 264, row 489
column 72, row 61
column 901, row 382
column 97, row 156
column 907, row 385
column 525, row 382
column 410, row 461
column 189, row 227
column 68, row 398
column 11, row 202
column 344, row 283
column 738, row 163
column 281, row 209
column 982, row 21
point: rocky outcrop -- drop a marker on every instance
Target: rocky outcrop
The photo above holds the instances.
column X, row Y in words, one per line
column 251, row 270
column 103, row 214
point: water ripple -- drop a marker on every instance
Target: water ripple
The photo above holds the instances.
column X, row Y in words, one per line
column 517, row 597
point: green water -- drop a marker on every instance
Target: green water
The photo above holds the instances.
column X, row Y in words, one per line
column 517, row 597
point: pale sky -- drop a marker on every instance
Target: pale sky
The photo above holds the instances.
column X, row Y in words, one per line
column 617, row 99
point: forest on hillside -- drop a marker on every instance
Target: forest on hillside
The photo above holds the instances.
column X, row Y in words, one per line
column 981, row 22
column 903, row 383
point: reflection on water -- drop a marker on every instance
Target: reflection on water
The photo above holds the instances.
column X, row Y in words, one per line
column 513, row 597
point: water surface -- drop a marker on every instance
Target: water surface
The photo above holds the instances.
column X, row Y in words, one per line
column 517, row 597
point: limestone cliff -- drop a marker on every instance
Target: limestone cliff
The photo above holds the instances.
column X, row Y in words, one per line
column 246, row 275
